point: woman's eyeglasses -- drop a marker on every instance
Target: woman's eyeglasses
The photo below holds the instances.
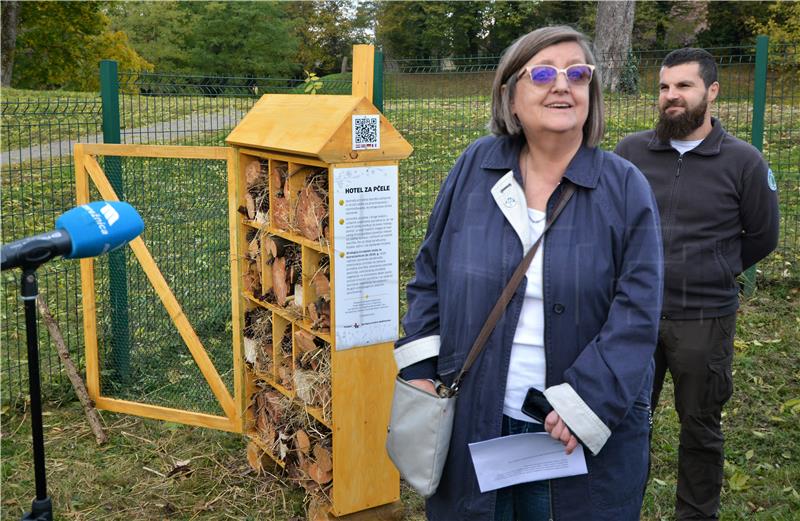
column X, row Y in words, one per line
column 542, row 75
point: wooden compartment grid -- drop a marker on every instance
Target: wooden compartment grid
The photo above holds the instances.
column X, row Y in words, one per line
column 337, row 398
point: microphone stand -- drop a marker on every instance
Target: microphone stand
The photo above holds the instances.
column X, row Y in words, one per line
column 42, row 506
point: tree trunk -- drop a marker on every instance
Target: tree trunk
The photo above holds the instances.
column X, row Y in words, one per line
column 10, row 16
column 612, row 39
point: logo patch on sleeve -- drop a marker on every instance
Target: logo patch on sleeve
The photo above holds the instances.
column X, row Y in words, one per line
column 773, row 185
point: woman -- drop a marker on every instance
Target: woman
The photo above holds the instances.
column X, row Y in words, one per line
column 583, row 327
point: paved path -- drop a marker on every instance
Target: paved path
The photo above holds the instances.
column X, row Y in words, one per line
column 163, row 132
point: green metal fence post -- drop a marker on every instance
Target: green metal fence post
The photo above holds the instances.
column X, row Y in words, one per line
column 117, row 263
column 377, row 81
column 757, row 136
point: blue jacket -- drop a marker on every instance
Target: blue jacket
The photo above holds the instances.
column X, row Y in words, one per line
column 602, row 297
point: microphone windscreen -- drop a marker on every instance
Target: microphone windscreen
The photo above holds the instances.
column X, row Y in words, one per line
column 99, row 227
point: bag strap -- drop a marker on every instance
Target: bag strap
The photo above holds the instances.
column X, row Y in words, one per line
column 509, row 290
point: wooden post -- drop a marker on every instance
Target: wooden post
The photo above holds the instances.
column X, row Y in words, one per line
column 363, row 70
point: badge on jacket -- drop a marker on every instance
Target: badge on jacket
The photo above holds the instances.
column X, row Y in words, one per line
column 773, row 185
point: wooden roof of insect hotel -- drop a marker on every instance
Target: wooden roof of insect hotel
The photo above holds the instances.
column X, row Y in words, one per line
column 319, row 126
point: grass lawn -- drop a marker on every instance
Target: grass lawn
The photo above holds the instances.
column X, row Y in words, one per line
column 151, row 469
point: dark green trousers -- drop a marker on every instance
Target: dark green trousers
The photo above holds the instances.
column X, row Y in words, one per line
column 699, row 356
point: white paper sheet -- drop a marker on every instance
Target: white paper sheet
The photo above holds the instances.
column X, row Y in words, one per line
column 521, row 458
column 366, row 267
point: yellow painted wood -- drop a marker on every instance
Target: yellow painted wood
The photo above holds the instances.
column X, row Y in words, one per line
column 391, row 512
column 279, row 326
column 167, row 414
column 322, row 246
column 266, row 269
column 292, row 123
column 237, row 311
column 165, row 151
column 309, row 259
column 81, row 177
column 253, row 224
column 87, row 286
column 306, row 325
column 263, row 446
column 168, row 299
column 317, row 414
column 269, row 154
column 318, row 126
column 331, row 253
column 363, row 71
column 356, row 164
column 362, row 388
column 338, row 149
column 361, row 378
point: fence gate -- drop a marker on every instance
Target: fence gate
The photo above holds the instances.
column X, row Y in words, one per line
column 128, row 352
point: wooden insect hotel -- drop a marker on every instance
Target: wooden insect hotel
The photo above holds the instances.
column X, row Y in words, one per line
column 316, row 294
column 313, row 213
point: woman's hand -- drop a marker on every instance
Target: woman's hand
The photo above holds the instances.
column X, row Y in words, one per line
column 425, row 385
column 558, row 430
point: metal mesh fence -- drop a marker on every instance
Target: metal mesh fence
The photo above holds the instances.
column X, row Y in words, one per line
column 440, row 106
column 782, row 150
column 142, row 355
column 180, row 109
column 37, row 185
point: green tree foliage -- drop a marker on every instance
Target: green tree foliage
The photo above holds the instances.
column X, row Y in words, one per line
column 729, row 23
column 507, row 22
column 441, row 29
column 220, row 38
column 155, row 31
column 467, row 23
column 782, row 23
column 326, row 31
column 413, row 29
column 60, row 45
column 238, row 38
column 783, row 28
column 650, row 25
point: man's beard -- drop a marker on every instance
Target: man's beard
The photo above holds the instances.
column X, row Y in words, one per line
column 680, row 126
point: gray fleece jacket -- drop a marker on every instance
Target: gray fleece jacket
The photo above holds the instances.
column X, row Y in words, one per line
column 719, row 216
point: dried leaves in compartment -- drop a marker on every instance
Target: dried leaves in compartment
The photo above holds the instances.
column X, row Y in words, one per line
column 284, row 259
column 319, row 311
column 311, row 213
column 257, row 195
column 258, row 339
column 312, row 464
column 251, row 278
column 285, row 362
column 275, row 421
column 294, row 438
column 281, row 214
column 312, row 374
column 257, row 191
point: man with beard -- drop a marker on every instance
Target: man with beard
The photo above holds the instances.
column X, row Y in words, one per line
column 719, row 216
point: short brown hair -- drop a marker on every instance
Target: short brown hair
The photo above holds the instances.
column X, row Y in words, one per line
column 504, row 122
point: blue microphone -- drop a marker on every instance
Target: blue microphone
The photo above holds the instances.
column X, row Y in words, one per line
column 86, row 231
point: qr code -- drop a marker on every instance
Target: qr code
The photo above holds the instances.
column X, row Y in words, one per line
column 366, row 132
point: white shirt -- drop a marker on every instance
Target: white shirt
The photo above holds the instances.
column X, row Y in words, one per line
column 684, row 146
column 527, row 366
